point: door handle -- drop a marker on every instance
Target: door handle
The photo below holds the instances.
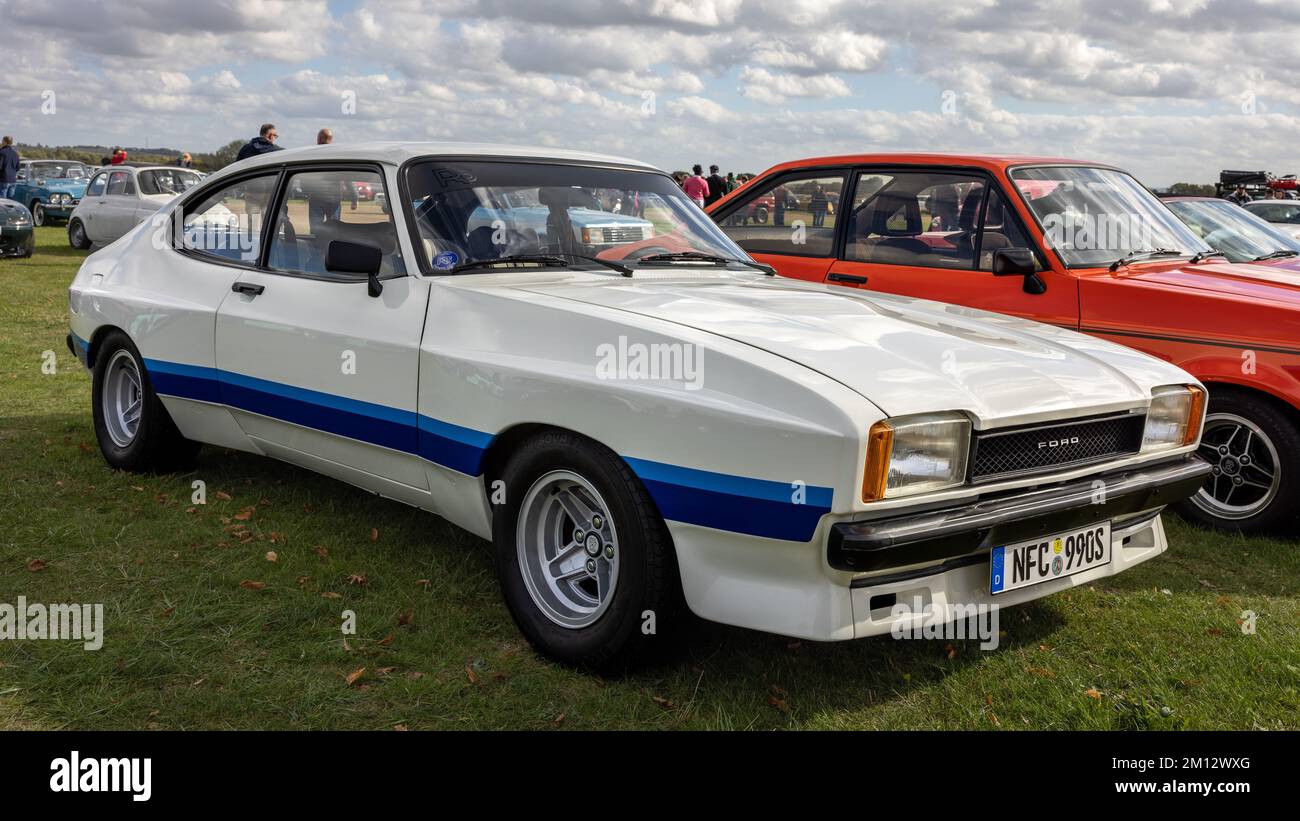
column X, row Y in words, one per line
column 850, row 278
column 248, row 288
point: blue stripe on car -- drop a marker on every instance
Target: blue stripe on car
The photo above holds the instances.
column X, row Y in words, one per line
column 758, row 507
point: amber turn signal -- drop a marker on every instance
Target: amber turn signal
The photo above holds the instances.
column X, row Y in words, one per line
column 1195, row 416
column 880, row 442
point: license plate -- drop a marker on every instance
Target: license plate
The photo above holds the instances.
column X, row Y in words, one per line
column 1027, row 563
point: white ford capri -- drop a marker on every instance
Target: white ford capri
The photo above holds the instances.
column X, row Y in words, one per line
column 560, row 353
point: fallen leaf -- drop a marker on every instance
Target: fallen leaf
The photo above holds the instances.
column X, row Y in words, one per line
column 224, row 496
column 167, row 614
column 425, row 583
column 244, row 515
column 189, row 510
column 405, row 617
column 1214, row 631
column 36, row 565
column 558, row 720
column 663, row 702
column 1092, row 692
column 321, row 552
column 330, row 594
column 386, row 640
column 374, row 534
column 415, row 675
column 354, row 675
column 471, row 675
column 271, row 556
column 779, row 703
column 302, row 581
column 383, row 671
column 357, row 579
column 137, row 488
column 249, row 584
column 401, row 728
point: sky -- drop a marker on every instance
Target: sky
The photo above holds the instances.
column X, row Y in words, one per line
column 1173, row 90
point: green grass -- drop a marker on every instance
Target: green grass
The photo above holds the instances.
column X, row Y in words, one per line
column 187, row 647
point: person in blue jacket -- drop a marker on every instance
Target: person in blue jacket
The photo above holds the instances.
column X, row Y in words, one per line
column 8, row 167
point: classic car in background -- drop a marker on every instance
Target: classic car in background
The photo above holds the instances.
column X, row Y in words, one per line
column 1238, row 234
column 120, row 197
column 1285, row 214
column 803, row 458
column 525, row 222
column 17, row 236
column 1081, row 246
column 50, row 188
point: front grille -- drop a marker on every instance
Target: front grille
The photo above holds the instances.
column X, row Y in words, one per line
column 1002, row 454
column 631, row 233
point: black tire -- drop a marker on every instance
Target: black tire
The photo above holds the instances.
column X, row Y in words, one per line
column 760, row 215
column 157, row 444
column 39, row 218
column 647, row 580
column 1281, row 516
column 77, row 235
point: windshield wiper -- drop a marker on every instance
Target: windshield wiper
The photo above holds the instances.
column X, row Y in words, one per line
column 1281, row 252
column 712, row 259
column 542, row 260
column 1134, row 256
column 1200, row 255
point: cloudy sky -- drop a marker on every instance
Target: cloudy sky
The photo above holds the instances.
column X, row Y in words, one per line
column 1171, row 89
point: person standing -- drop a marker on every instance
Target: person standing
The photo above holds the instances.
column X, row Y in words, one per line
column 732, row 184
column 263, row 143
column 695, row 186
column 1240, row 196
column 819, row 205
column 8, row 167
column 119, row 156
column 717, row 186
column 184, row 161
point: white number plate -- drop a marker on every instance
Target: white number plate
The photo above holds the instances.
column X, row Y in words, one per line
column 1024, row 563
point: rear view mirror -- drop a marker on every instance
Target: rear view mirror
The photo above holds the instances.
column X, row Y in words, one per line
column 344, row 257
column 1019, row 262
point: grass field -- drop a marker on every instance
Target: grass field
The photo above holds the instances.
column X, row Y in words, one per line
column 189, row 645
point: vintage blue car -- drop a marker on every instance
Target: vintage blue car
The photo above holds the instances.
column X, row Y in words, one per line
column 51, row 188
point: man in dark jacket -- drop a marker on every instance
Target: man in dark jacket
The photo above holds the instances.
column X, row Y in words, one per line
column 8, row 167
column 261, row 144
column 717, row 186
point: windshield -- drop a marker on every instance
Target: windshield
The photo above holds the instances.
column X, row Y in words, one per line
column 1096, row 216
column 59, row 170
column 1286, row 212
column 470, row 212
column 1227, row 227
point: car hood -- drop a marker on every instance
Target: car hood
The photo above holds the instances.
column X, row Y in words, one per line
column 65, row 187
column 1276, row 280
column 904, row 355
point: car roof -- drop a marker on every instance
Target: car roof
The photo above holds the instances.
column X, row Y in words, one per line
column 396, row 153
column 992, row 162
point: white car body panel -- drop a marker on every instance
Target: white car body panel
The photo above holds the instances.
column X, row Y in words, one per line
column 795, row 374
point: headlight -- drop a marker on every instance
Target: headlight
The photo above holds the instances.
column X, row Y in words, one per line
column 1174, row 418
column 915, row 454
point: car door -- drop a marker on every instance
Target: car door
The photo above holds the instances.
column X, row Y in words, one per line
column 90, row 211
column 790, row 221
column 315, row 369
column 933, row 233
column 119, row 205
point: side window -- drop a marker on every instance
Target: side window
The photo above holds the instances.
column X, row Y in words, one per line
column 1000, row 230
column 97, row 186
column 324, row 206
column 149, row 182
column 117, row 183
column 791, row 215
column 927, row 219
column 227, row 222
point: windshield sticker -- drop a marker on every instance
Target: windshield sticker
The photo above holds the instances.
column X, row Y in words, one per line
column 446, row 260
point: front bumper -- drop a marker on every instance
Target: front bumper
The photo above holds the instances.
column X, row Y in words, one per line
column 17, row 242
column 969, row 531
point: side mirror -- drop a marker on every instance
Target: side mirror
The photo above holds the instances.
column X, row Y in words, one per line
column 1019, row 262
column 344, row 257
